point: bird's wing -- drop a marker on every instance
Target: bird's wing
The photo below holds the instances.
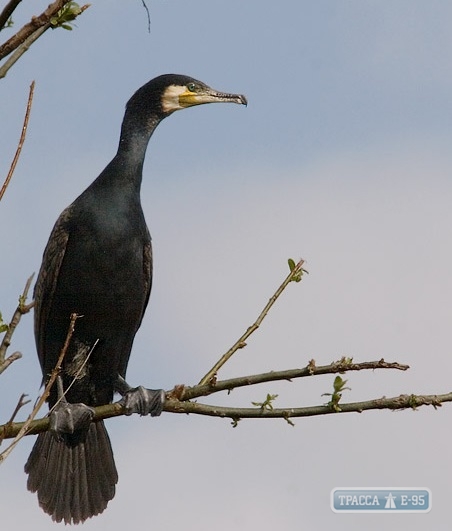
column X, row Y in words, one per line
column 47, row 279
column 147, row 272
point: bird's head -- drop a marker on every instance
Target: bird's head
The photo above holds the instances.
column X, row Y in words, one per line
column 172, row 92
column 182, row 92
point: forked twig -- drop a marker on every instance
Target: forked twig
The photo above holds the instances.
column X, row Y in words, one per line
column 21, row 309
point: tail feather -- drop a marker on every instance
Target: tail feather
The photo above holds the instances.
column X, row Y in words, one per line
column 74, row 481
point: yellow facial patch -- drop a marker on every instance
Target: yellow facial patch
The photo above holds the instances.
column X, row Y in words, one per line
column 177, row 97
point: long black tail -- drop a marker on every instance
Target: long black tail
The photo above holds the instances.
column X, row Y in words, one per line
column 73, row 481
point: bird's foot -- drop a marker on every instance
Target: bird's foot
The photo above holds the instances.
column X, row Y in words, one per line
column 68, row 418
column 143, row 401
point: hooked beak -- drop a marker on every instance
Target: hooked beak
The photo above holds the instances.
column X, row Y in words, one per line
column 208, row 95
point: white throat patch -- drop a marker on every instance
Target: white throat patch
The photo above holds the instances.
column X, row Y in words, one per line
column 170, row 98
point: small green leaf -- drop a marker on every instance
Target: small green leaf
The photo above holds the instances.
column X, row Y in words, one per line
column 66, row 15
column 267, row 403
column 338, row 386
column 298, row 274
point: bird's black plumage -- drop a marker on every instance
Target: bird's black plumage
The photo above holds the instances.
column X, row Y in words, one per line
column 98, row 264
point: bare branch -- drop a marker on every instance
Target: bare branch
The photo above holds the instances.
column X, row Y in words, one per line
column 178, row 399
column 58, row 14
column 28, row 29
column 21, row 141
column 17, row 54
column 80, row 369
column 295, row 274
column 25, row 426
column 21, row 309
column 20, row 404
column 8, row 431
column 395, row 403
column 148, row 15
column 10, row 359
column 341, row 366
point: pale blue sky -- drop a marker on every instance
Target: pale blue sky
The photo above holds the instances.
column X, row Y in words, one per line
column 342, row 157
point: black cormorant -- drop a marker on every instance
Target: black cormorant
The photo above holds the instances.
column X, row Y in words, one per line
column 98, row 264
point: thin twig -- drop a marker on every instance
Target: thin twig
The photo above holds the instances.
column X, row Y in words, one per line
column 20, row 404
column 36, row 22
column 175, row 406
column 7, row 11
column 9, row 360
column 47, row 18
column 241, row 342
column 21, row 140
column 21, row 309
column 76, row 375
column 343, row 365
column 26, row 425
column 394, row 403
column 18, row 52
column 148, row 15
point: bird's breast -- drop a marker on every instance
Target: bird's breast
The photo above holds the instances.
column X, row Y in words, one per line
column 104, row 273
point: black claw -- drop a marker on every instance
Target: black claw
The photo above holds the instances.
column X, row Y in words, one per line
column 68, row 418
column 143, row 401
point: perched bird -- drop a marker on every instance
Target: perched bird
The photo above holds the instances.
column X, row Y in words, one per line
column 98, row 264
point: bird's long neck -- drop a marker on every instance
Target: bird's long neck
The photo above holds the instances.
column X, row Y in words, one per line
column 136, row 132
column 124, row 173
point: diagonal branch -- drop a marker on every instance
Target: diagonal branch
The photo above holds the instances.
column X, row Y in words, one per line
column 59, row 14
column 295, row 275
column 21, row 141
column 20, row 50
column 25, row 426
column 28, row 29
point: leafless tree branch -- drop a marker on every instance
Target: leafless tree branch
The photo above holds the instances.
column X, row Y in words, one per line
column 21, row 141
column 25, row 426
column 21, row 309
column 179, row 399
column 174, row 404
column 294, row 275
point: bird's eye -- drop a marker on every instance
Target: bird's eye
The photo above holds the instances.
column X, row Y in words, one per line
column 191, row 87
